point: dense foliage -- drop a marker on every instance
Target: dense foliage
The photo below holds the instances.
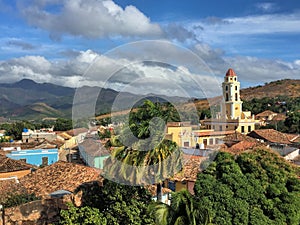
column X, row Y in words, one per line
column 19, row 199
column 184, row 210
column 63, row 124
column 281, row 104
column 255, row 188
column 112, row 204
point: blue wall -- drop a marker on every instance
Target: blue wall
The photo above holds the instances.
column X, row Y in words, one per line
column 34, row 157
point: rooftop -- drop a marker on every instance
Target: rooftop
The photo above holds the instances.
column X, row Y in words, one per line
column 230, row 73
column 191, row 167
column 59, row 176
column 12, row 165
column 266, row 113
column 271, row 135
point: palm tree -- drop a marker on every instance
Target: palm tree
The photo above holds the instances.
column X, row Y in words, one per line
column 149, row 160
column 184, row 210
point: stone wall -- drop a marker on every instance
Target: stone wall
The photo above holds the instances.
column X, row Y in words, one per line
column 39, row 212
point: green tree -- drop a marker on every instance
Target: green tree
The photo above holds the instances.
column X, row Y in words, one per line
column 184, row 210
column 152, row 157
column 63, row 124
column 116, row 203
column 256, row 187
column 81, row 216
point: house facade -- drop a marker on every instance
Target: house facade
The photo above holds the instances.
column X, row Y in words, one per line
column 37, row 157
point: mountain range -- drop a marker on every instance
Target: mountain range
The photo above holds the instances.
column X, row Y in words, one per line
column 29, row 100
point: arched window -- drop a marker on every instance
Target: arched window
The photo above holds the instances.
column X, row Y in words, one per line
column 226, row 88
column 236, row 96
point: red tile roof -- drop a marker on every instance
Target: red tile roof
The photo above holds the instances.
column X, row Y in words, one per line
column 191, row 167
column 271, row 135
column 59, row 176
column 265, row 113
column 12, row 165
column 213, row 133
column 9, row 187
column 230, row 73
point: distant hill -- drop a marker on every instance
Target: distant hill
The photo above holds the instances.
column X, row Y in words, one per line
column 29, row 100
column 287, row 87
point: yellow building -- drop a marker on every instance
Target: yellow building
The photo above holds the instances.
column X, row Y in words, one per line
column 231, row 116
column 230, row 119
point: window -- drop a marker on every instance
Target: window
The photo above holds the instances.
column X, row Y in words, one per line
column 205, row 142
column 186, row 144
column 220, row 128
column 211, row 141
column 236, row 88
column 45, row 161
column 226, row 88
column 235, row 78
column 227, row 98
column 236, row 96
column 243, row 129
column 249, row 128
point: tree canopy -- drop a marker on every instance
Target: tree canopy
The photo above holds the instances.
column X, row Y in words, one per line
column 112, row 204
column 256, row 187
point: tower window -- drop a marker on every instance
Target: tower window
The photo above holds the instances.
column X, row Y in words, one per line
column 227, row 98
column 235, row 78
column 226, row 88
column 236, row 96
column 236, row 88
column 243, row 129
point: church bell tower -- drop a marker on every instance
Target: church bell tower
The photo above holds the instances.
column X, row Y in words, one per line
column 231, row 93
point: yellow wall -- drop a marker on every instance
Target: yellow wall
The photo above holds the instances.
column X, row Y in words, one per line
column 181, row 135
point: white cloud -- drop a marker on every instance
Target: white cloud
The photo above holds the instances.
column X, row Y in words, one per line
column 88, row 18
column 266, row 6
column 218, row 31
column 146, row 70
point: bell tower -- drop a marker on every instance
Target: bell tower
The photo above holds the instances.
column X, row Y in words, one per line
column 231, row 93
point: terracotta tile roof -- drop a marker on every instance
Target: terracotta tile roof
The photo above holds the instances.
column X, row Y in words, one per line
column 213, row 133
column 75, row 132
column 191, row 167
column 152, row 189
column 279, row 117
column 236, row 137
column 241, row 147
column 64, row 135
column 294, row 138
column 93, row 148
column 265, row 113
column 8, row 187
column 50, row 144
column 270, row 135
column 59, row 176
column 20, row 144
column 12, row 165
column 230, row 73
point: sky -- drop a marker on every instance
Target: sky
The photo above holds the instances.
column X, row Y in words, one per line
column 162, row 47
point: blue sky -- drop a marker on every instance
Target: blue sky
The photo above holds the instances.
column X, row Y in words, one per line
column 58, row 40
